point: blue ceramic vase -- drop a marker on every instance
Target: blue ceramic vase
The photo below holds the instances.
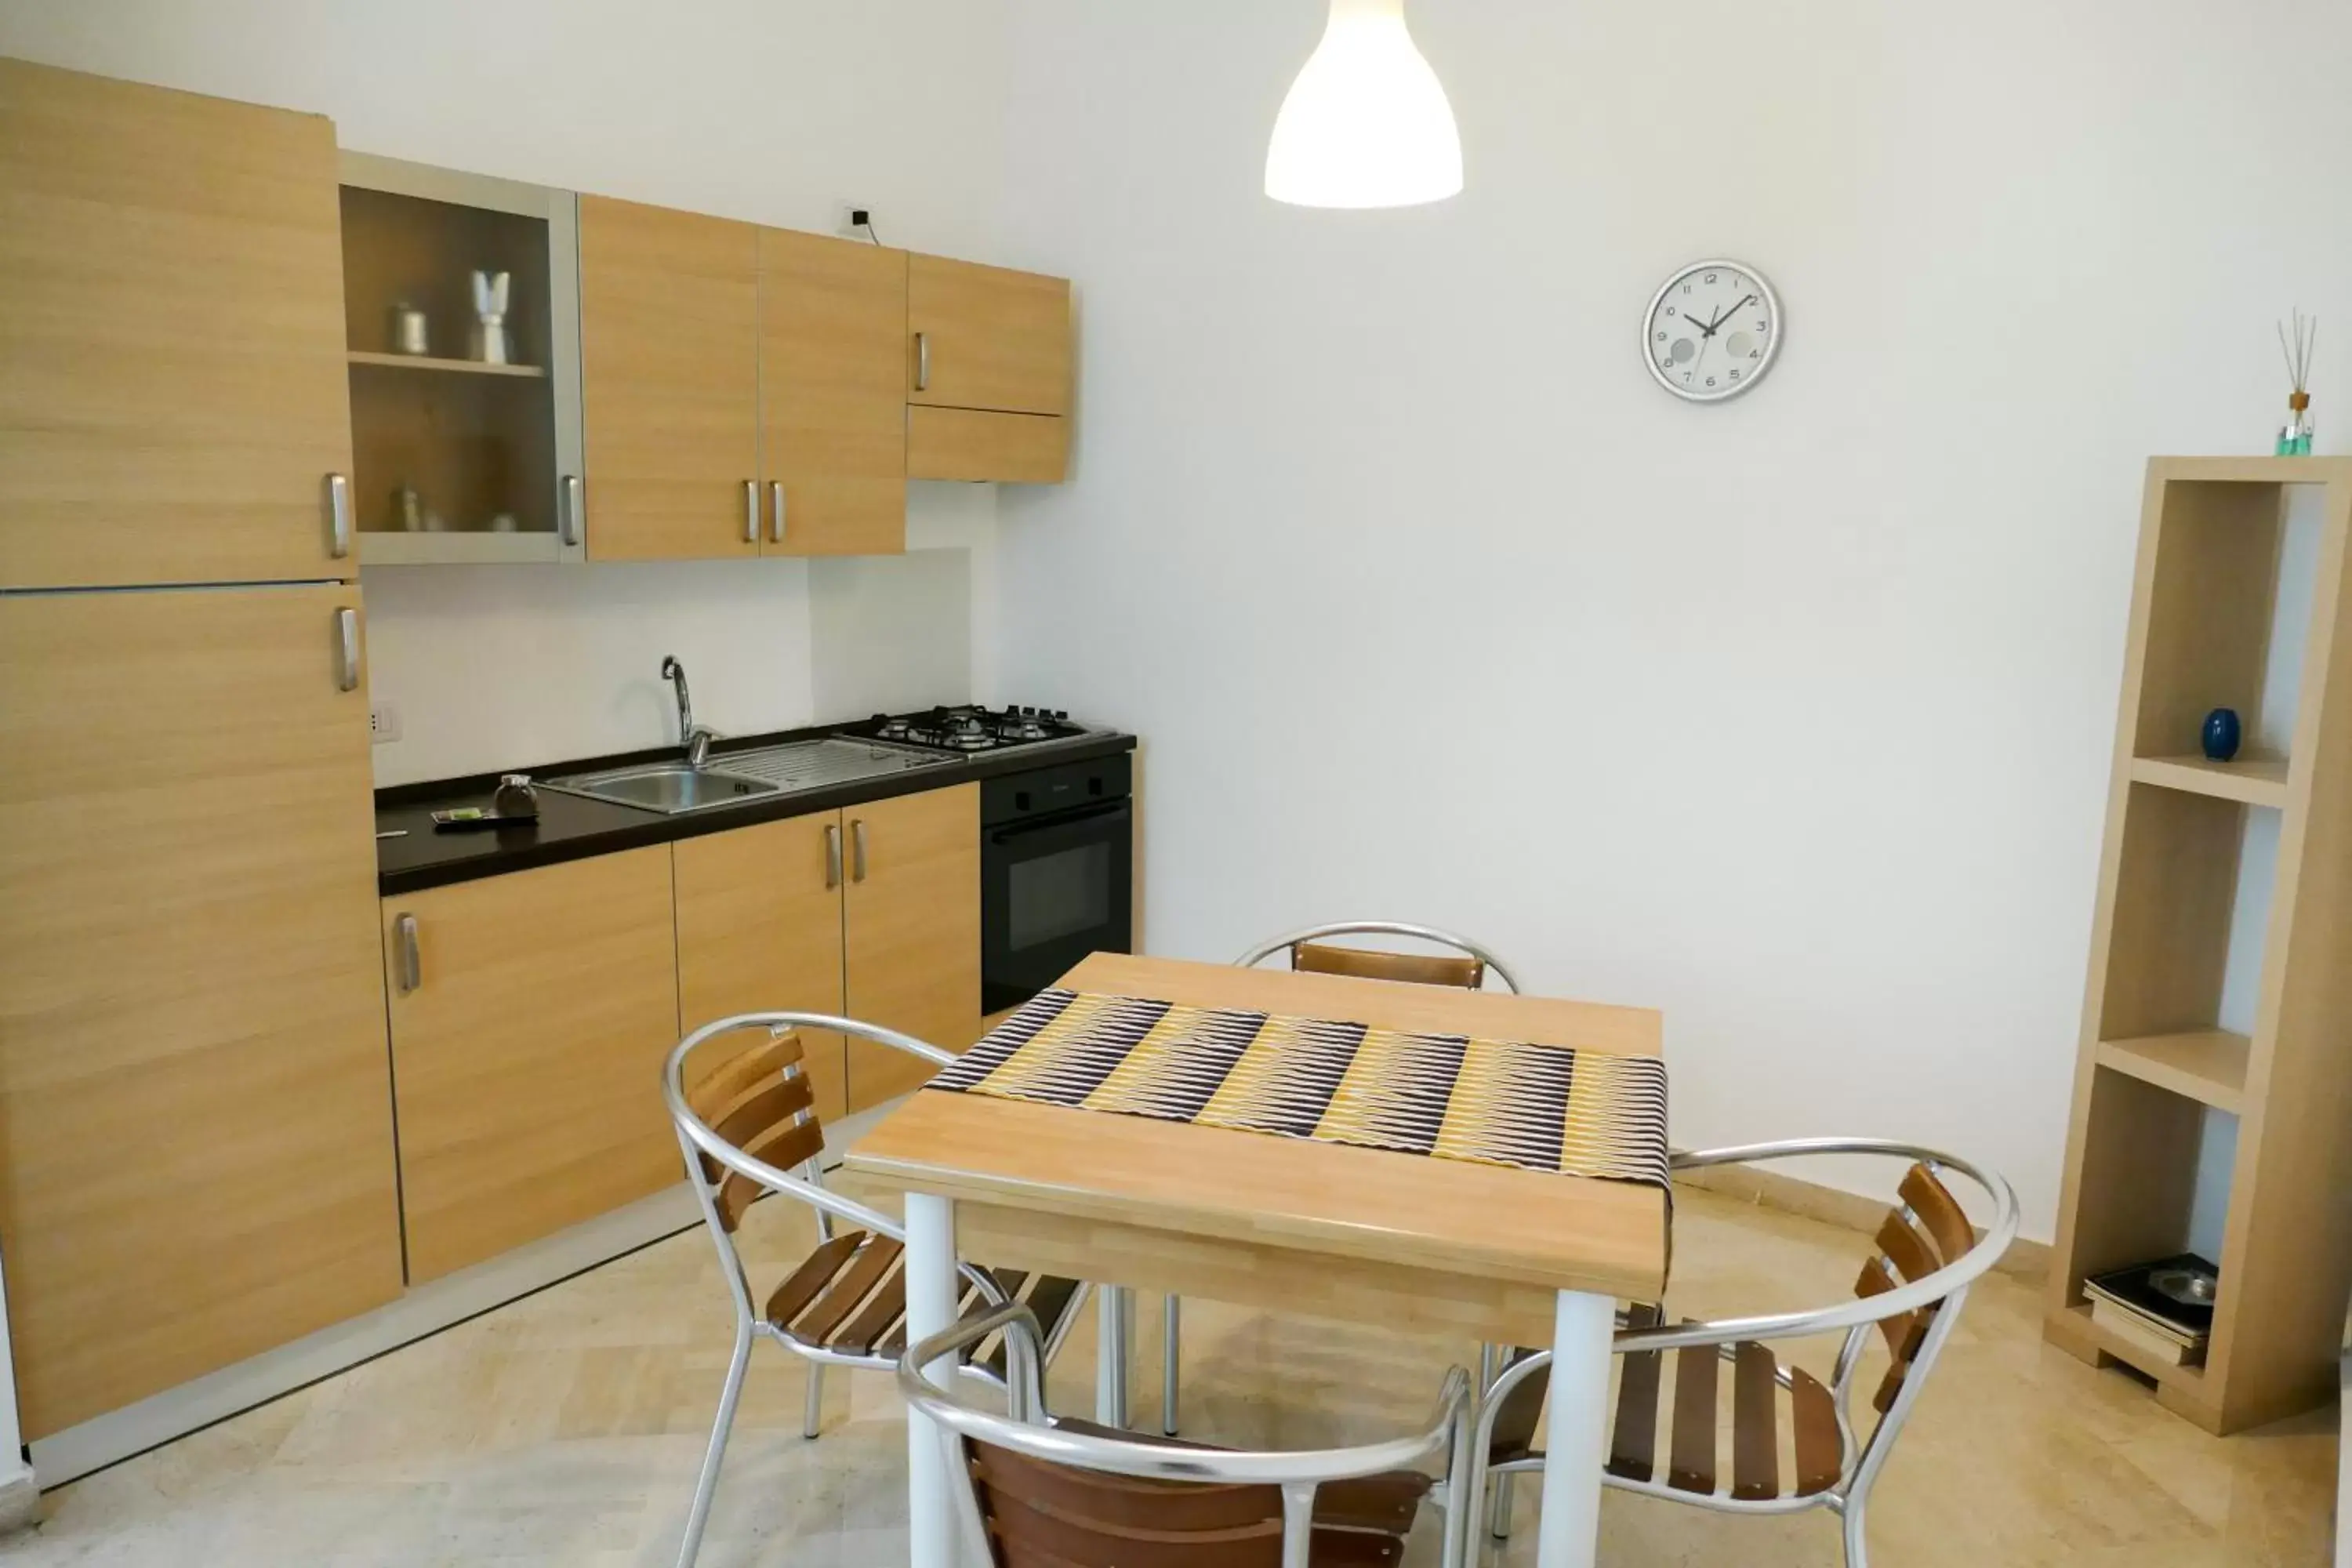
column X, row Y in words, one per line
column 2220, row 735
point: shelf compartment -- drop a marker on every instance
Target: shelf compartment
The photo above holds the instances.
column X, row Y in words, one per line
column 384, row 547
column 2250, row 781
column 457, row 366
column 2189, row 1379
column 2208, row 1066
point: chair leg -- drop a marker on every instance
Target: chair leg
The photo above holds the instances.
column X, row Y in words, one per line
column 1499, row 1522
column 1466, row 1479
column 1172, row 1352
column 1857, row 1551
column 813, row 1414
column 708, row 1483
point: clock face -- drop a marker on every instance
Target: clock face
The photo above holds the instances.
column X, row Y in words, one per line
column 1712, row 332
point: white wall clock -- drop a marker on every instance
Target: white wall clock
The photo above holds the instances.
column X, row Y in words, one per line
column 1712, row 331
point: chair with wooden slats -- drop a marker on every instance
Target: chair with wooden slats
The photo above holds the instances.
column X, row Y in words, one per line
column 1046, row 1493
column 1911, row 1290
column 747, row 1122
column 1467, row 967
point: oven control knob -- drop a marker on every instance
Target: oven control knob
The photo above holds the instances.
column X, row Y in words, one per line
column 1061, row 714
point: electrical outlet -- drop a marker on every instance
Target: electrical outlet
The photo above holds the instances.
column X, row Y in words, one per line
column 383, row 722
column 845, row 219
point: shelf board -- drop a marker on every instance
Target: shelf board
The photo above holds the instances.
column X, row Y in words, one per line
column 2252, row 781
column 2254, row 470
column 380, row 547
column 458, row 366
column 2207, row 1065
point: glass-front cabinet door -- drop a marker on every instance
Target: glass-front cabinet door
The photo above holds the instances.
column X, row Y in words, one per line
column 461, row 298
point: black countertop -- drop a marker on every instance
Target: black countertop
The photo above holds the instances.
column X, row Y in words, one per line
column 573, row 827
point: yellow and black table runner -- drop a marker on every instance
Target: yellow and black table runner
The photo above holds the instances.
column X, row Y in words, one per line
column 1542, row 1107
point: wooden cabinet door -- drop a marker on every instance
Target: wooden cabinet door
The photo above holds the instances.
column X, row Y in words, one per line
column 171, row 376
column 832, row 395
column 758, row 929
column 669, row 383
column 913, row 925
column 986, row 337
column 195, row 1109
column 981, row 445
column 526, row 1044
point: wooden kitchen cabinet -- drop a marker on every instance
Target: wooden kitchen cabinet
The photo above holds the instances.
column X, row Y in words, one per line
column 911, row 932
column 531, row 1013
column 758, row 929
column 988, row 337
column 833, row 429
column 172, row 376
column 195, row 1106
column 669, row 383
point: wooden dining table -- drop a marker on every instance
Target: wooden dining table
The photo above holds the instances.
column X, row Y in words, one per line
column 1486, row 1254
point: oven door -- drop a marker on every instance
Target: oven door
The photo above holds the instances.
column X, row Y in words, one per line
column 1052, row 891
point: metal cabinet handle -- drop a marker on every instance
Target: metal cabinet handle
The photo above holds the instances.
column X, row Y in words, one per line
column 832, row 855
column 347, row 646
column 569, row 522
column 339, row 515
column 776, row 510
column 922, row 362
column 412, row 957
column 751, row 511
column 857, row 850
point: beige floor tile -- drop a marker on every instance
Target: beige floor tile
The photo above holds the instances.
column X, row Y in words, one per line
column 566, row 1429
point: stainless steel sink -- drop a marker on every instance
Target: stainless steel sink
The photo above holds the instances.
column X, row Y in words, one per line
column 666, row 788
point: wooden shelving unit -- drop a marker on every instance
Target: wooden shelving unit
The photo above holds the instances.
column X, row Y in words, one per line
column 2155, row 1059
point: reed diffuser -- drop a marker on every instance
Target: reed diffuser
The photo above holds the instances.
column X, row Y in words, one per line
column 2295, row 435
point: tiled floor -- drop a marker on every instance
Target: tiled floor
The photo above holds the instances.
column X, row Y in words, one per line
column 566, row 1429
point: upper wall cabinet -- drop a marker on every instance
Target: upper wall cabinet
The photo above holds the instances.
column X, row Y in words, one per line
column 172, row 395
column 832, row 431
column 465, row 432
column 989, row 372
column 669, row 323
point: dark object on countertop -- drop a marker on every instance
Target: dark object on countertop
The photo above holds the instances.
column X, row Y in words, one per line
column 475, row 819
column 516, row 801
column 2221, row 735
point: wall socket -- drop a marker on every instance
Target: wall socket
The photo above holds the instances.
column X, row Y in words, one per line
column 383, row 722
column 843, row 213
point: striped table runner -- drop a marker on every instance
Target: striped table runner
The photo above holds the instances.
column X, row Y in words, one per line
column 1496, row 1102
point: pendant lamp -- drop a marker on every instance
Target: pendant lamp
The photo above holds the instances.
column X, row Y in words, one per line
column 1366, row 124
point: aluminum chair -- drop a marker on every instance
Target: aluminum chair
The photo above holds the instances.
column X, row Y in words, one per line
column 1912, row 1289
column 743, row 1120
column 1310, row 954
column 1040, row 1493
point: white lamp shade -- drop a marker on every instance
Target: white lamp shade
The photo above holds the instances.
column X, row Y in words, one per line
column 1366, row 124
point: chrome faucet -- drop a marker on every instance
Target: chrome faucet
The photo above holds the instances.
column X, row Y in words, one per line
column 695, row 737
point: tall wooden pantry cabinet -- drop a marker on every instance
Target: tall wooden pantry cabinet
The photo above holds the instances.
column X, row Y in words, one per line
column 196, row 1105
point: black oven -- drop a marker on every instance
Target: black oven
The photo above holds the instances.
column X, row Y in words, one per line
column 1056, row 874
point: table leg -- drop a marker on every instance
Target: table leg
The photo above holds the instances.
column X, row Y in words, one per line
column 1114, row 1334
column 931, row 1516
column 1577, row 1436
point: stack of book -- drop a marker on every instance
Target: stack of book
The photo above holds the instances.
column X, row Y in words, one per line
column 2164, row 1309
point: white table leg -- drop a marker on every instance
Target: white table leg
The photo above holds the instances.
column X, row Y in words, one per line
column 932, row 1517
column 1114, row 1337
column 1577, row 1435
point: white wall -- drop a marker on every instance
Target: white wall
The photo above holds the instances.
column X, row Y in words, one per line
column 1791, row 717
column 771, row 110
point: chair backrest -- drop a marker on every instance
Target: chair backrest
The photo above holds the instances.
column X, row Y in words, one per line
column 1466, row 967
column 757, row 1099
column 1926, row 1233
column 1072, row 1495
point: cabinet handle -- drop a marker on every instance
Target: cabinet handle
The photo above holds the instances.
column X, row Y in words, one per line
column 776, row 510
column 339, row 515
column 571, row 510
column 347, row 646
column 411, row 959
column 832, row 855
column 858, row 849
column 922, row 362
column 751, row 511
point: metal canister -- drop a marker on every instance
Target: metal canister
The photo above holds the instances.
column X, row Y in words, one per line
column 410, row 333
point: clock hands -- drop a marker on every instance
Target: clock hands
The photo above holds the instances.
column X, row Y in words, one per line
column 1722, row 316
